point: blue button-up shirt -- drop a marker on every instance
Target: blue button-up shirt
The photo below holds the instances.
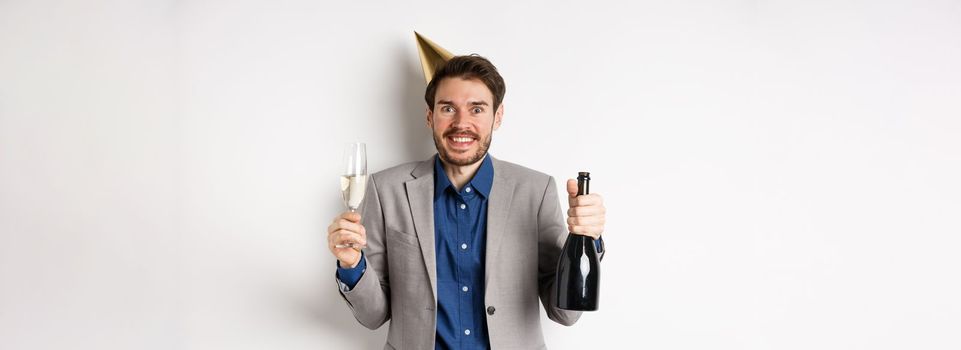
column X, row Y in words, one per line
column 460, row 232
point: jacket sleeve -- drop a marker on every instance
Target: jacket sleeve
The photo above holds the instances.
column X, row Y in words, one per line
column 552, row 233
column 369, row 299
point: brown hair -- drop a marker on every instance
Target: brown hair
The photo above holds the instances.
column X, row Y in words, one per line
column 473, row 66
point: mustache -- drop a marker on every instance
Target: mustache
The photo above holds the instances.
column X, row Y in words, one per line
column 461, row 132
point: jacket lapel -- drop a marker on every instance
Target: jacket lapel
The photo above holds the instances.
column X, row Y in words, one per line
column 498, row 211
column 420, row 196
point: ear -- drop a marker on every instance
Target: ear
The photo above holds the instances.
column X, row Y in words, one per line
column 430, row 118
column 498, row 115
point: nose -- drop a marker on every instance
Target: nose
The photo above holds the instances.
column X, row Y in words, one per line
column 458, row 119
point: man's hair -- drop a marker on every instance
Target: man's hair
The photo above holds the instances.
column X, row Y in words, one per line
column 468, row 67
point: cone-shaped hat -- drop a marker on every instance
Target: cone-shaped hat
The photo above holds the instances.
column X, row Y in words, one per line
column 432, row 56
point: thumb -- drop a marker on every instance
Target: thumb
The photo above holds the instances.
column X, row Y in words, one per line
column 572, row 187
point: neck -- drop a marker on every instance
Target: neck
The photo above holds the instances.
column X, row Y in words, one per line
column 460, row 175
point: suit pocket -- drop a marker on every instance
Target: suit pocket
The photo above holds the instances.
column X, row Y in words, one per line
column 401, row 236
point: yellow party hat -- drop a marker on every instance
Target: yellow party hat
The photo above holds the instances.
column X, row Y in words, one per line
column 432, row 56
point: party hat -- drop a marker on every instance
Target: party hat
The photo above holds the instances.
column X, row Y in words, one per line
column 432, row 56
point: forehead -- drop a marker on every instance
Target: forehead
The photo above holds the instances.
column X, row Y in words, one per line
column 462, row 91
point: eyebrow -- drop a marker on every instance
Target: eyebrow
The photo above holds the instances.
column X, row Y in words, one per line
column 472, row 103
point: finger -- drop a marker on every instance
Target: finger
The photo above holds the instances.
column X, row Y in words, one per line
column 592, row 231
column 337, row 232
column 351, row 216
column 346, row 255
column 586, row 234
column 585, row 220
column 344, row 237
column 350, row 226
column 347, row 240
column 348, row 216
column 586, row 200
column 586, row 229
column 587, row 211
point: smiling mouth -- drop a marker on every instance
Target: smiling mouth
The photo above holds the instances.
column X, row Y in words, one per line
column 460, row 141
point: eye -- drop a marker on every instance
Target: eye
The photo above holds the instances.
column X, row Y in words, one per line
column 447, row 109
column 478, row 110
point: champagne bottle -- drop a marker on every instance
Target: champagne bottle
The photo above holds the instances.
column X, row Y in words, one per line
column 578, row 276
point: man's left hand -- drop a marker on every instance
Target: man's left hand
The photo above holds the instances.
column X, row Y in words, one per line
column 586, row 214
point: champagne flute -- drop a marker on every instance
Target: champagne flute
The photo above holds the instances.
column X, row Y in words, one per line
column 353, row 182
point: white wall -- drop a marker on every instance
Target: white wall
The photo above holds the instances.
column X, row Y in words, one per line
column 779, row 174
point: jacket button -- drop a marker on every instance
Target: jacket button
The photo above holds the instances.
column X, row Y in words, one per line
column 490, row 310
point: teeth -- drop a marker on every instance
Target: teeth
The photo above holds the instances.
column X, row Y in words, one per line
column 462, row 139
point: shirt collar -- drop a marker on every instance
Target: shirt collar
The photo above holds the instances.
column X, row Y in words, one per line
column 482, row 182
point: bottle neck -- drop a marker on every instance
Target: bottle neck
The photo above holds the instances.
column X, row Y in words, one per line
column 583, row 183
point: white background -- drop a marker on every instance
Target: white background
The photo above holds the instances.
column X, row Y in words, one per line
column 778, row 174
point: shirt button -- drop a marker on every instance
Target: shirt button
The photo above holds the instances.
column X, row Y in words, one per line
column 463, row 246
column 467, row 332
column 464, row 288
column 490, row 310
column 463, row 206
column 467, row 189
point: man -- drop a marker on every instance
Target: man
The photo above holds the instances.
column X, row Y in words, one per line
column 459, row 247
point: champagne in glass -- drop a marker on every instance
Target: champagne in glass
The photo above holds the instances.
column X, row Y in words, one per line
column 353, row 188
column 353, row 182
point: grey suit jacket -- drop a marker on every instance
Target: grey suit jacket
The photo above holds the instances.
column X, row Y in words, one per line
column 525, row 234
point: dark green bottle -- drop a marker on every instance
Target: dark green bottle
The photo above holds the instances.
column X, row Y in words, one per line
column 578, row 269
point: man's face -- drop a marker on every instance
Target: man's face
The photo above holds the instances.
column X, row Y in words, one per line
column 463, row 120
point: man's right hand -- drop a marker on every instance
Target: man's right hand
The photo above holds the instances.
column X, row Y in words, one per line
column 346, row 229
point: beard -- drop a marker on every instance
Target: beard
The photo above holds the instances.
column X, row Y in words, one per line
column 445, row 154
